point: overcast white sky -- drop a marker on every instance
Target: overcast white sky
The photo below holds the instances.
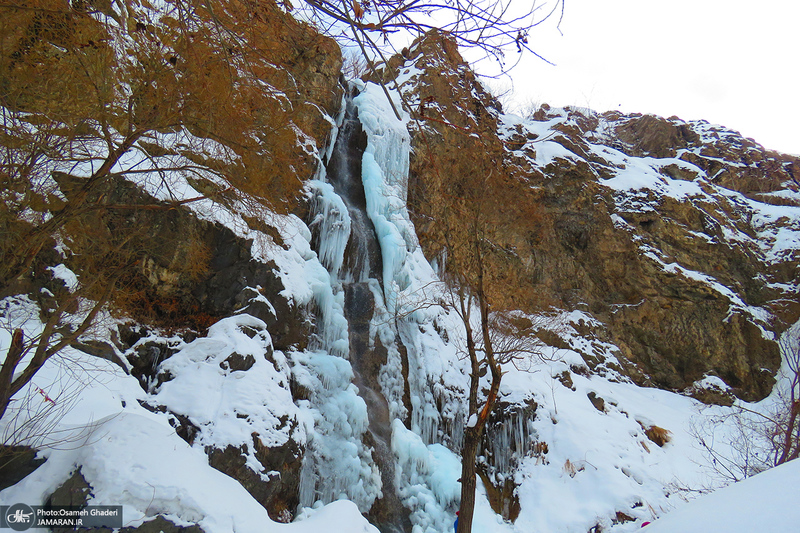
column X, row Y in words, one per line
column 730, row 62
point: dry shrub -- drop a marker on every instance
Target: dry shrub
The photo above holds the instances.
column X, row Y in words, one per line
column 459, row 201
column 162, row 257
column 197, row 259
column 171, row 313
column 772, row 199
column 658, row 435
column 570, row 468
column 55, row 62
column 540, row 448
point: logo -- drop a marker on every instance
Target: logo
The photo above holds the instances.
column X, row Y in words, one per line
column 19, row 517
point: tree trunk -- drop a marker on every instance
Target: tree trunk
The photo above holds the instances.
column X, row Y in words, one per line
column 478, row 412
column 469, row 453
column 13, row 357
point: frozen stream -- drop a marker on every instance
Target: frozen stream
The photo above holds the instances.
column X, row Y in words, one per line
column 348, row 246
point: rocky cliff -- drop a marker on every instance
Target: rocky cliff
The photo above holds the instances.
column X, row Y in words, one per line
column 667, row 232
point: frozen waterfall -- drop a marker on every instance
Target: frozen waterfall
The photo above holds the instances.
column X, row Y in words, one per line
column 393, row 409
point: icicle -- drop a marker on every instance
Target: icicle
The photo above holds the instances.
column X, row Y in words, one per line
column 509, row 441
column 385, row 178
column 332, row 335
column 332, row 221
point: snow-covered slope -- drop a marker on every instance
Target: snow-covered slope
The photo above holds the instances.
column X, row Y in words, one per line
column 766, row 502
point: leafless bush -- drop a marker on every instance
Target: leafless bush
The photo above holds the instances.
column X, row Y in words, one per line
column 354, row 65
column 658, row 435
column 34, row 414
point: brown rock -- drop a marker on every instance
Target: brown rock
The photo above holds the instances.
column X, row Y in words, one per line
column 670, row 327
column 279, row 493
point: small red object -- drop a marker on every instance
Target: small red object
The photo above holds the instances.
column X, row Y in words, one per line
column 46, row 397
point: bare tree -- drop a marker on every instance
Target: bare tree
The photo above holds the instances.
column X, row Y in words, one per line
column 490, row 28
column 482, row 226
column 32, row 419
column 354, row 65
column 783, row 428
column 493, row 341
column 488, row 25
column 95, row 95
column 66, row 313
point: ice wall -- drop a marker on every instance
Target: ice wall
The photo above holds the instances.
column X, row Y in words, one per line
column 407, row 323
column 337, row 465
column 385, row 179
column 422, row 380
column 411, row 287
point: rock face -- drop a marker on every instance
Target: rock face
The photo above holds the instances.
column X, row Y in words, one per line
column 193, row 272
column 279, row 495
column 17, row 462
column 731, row 160
column 684, row 270
column 673, row 325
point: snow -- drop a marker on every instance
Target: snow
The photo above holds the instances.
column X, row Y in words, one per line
column 429, row 483
column 642, row 173
column 180, row 484
column 235, row 404
column 546, row 150
column 133, row 457
column 778, row 230
column 712, row 382
column 340, row 515
column 588, row 449
column 66, row 275
column 765, row 502
column 308, row 283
